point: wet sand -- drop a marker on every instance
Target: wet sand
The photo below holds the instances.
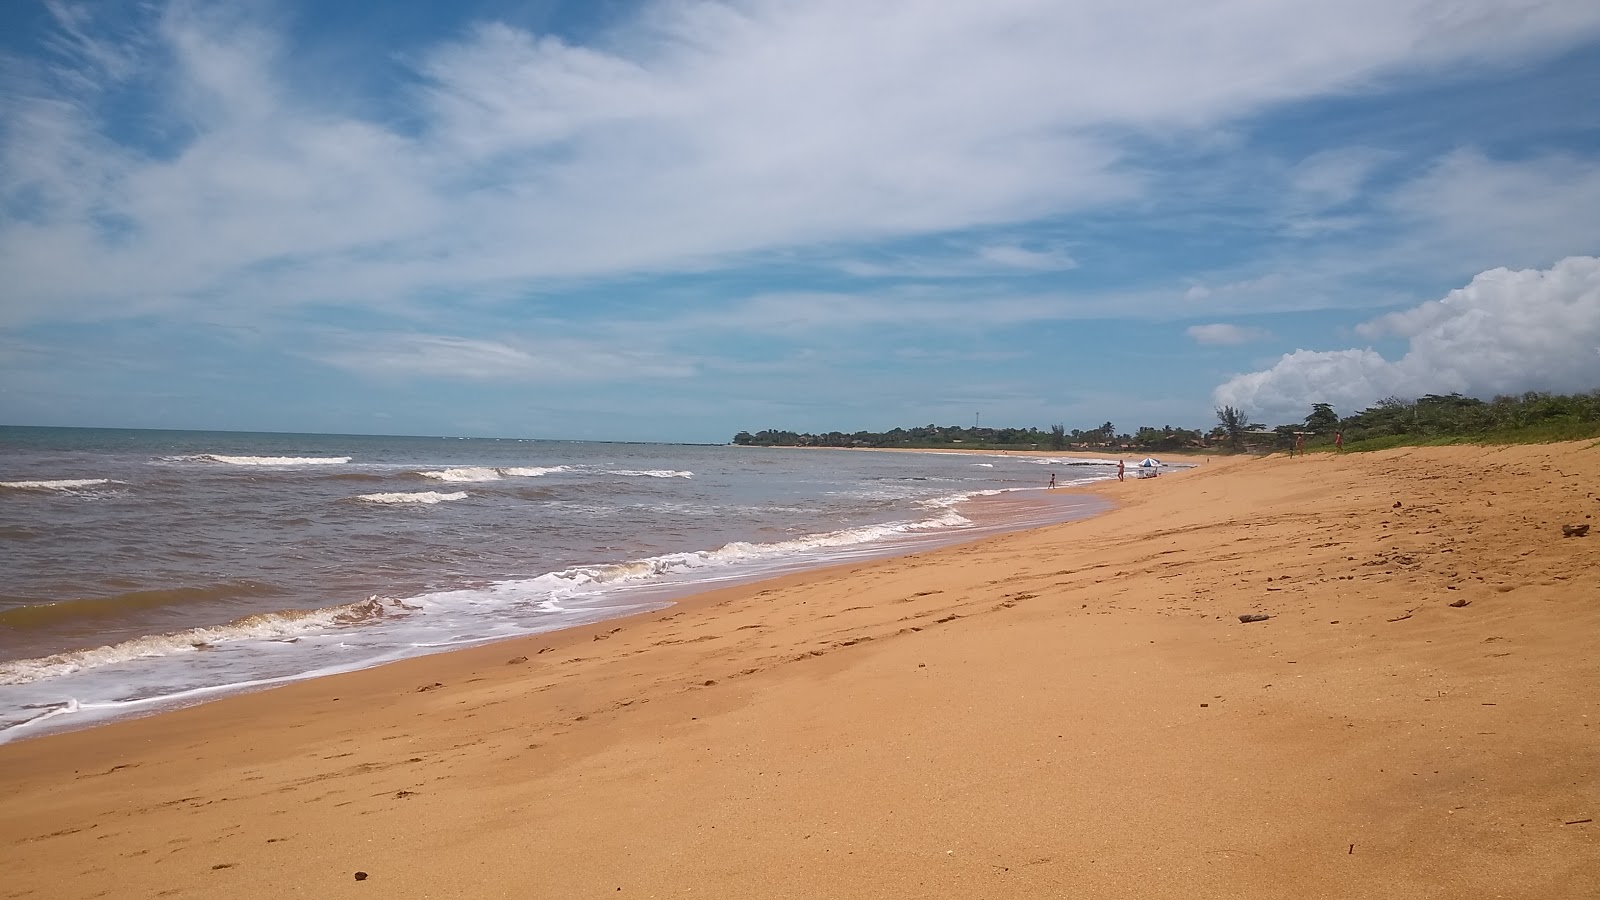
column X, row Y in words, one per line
column 1072, row 711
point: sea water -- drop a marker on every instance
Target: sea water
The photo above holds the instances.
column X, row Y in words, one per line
column 145, row 569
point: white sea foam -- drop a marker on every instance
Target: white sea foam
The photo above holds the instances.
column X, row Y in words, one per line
column 1069, row 461
column 67, row 485
column 650, row 473
column 266, row 626
column 428, row 497
column 550, row 588
column 984, row 465
column 486, row 473
column 949, row 501
column 262, row 460
column 465, row 474
column 544, row 594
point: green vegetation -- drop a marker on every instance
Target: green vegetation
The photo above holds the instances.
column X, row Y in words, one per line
column 1434, row 419
column 1234, row 425
column 933, row 437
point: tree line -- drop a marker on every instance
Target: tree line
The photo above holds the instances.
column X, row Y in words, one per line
column 1058, row 437
column 1431, row 418
column 1532, row 416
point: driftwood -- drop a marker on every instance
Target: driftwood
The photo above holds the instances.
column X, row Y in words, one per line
column 1574, row 530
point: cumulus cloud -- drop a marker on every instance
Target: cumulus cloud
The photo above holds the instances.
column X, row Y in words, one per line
column 1506, row 332
column 1225, row 334
column 690, row 132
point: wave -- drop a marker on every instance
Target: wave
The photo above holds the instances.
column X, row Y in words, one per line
column 531, row 471
column 582, row 579
column 1070, row 461
column 428, row 497
column 35, row 615
column 949, row 501
column 486, row 473
column 649, row 473
column 261, row 460
column 262, row 627
column 65, row 485
column 545, row 592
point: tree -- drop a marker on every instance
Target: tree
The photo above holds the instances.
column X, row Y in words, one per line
column 1234, row 423
column 1286, row 436
column 1323, row 420
column 1058, row 436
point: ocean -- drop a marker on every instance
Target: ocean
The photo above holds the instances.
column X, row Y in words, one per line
column 141, row 570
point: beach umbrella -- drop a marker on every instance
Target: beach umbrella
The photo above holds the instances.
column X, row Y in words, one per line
column 1149, row 462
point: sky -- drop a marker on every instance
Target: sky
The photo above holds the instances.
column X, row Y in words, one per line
column 677, row 220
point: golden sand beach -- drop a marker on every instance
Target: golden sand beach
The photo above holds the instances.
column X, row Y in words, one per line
column 1075, row 711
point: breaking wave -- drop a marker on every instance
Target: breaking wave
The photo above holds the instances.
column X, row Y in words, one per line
column 580, row 578
column 428, row 497
column 531, row 471
column 35, row 615
column 261, row 460
column 650, row 473
column 542, row 594
column 65, row 485
column 265, row 626
column 486, row 473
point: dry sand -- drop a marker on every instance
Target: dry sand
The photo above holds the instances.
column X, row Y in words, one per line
column 1070, row 712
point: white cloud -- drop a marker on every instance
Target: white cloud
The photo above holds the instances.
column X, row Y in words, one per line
column 445, row 356
column 1334, row 177
column 1506, row 332
column 692, row 132
column 1517, row 213
column 1225, row 334
column 985, row 260
column 1321, row 188
column 1249, row 290
column 1012, row 256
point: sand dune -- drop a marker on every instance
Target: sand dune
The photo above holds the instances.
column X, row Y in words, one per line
column 1070, row 712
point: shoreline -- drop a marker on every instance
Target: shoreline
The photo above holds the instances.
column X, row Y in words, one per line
column 1069, row 709
column 658, row 596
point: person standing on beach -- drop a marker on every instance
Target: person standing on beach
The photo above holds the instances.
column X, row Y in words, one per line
column 1052, row 479
column 1338, row 441
column 1121, row 470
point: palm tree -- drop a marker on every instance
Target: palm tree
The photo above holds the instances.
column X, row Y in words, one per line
column 1235, row 423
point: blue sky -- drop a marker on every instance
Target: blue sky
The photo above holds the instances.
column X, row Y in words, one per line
column 677, row 220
